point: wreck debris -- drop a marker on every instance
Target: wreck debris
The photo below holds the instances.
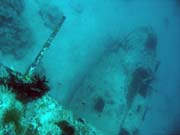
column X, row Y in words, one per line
column 30, row 86
column 126, row 72
column 45, row 47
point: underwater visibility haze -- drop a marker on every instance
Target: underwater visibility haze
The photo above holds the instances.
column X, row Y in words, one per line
column 89, row 67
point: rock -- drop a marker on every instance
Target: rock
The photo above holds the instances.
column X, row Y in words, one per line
column 15, row 5
column 40, row 117
column 15, row 35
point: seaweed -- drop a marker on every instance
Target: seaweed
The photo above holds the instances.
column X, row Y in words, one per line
column 26, row 91
column 13, row 116
column 66, row 128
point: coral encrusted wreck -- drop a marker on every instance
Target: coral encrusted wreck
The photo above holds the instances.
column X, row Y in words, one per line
column 43, row 116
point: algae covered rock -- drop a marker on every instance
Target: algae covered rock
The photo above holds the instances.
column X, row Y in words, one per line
column 11, row 112
column 42, row 116
column 46, row 116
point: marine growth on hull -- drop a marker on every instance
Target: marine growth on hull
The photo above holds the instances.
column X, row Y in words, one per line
column 117, row 89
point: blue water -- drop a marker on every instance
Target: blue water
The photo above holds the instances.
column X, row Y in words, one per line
column 89, row 25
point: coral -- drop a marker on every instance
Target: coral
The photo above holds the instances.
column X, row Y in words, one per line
column 25, row 89
column 39, row 117
column 46, row 115
column 13, row 116
column 30, row 130
column 11, row 112
column 29, row 91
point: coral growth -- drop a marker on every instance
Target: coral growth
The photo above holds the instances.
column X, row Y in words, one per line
column 11, row 112
column 26, row 90
column 13, row 115
column 43, row 116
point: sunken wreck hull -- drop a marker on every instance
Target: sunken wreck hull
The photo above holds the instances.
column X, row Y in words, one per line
column 117, row 90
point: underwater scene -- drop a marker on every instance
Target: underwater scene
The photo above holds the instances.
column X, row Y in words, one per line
column 89, row 67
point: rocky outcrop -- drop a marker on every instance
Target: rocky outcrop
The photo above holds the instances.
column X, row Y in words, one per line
column 15, row 35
